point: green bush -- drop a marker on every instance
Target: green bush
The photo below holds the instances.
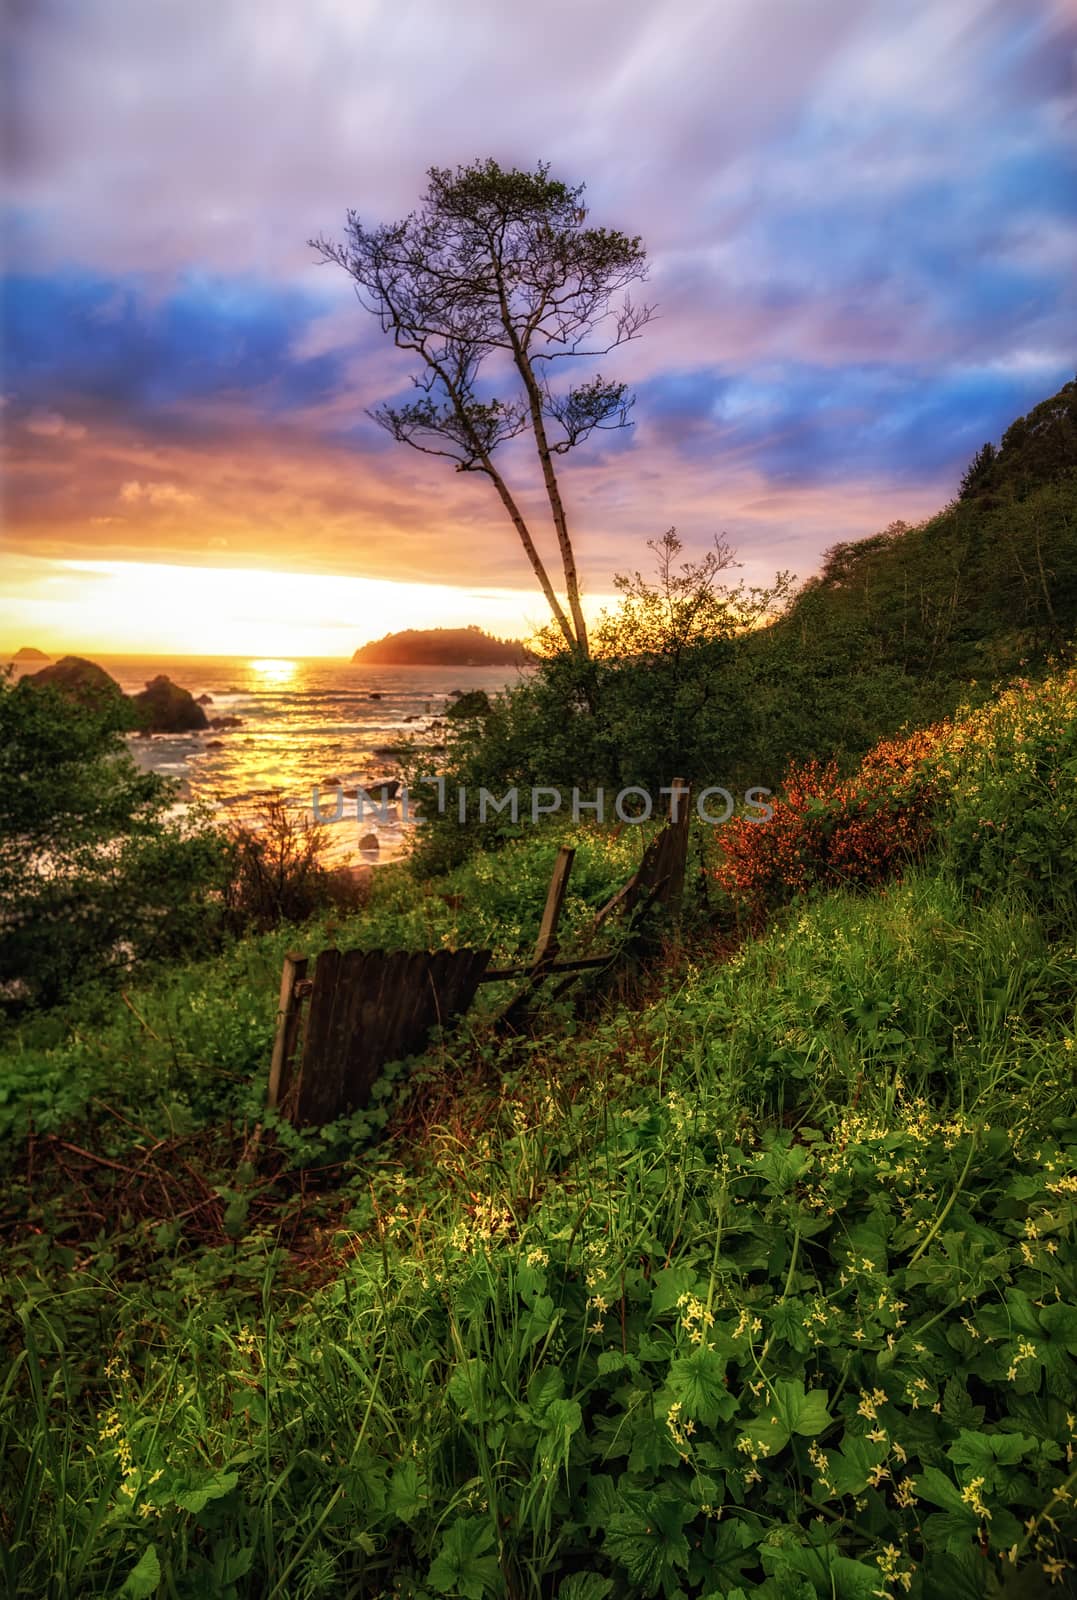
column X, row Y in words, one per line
column 94, row 872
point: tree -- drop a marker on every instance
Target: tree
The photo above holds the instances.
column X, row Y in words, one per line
column 978, row 472
column 497, row 270
column 94, row 873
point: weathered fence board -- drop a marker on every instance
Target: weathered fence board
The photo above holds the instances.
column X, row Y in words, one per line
column 369, row 1007
column 288, row 1014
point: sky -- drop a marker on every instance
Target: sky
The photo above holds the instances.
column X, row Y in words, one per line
column 861, row 224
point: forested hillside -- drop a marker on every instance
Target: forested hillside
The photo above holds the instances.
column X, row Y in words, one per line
column 905, row 623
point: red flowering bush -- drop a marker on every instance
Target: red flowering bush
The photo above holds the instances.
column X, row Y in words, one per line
column 828, row 831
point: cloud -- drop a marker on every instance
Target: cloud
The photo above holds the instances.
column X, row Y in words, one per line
column 155, row 494
column 51, row 425
column 860, row 220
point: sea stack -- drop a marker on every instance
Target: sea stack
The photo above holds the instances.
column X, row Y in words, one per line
column 163, row 707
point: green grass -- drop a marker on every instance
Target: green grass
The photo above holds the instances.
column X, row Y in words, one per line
column 760, row 1285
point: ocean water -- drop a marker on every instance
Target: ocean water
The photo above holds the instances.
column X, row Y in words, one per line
column 304, row 722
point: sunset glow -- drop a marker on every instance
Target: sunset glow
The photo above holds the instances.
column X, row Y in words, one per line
column 142, row 608
column 861, row 275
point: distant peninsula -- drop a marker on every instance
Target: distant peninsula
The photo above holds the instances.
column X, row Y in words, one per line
column 442, row 647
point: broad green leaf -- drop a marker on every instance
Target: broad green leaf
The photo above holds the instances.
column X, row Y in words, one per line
column 466, row 1387
column 1060, row 1321
column 144, row 1577
column 563, row 1418
column 213, row 1489
column 465, row 1565
column 650, row 1543
column 988, row 1455
column 407, row 1491
column 697, row 1381
column 585, row 1586
column 546, row 1385
column 801, row 1413
column 935, row 1487
column 668, row 1285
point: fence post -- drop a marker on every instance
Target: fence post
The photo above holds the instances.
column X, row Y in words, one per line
column 546, row 944
column 288, row 1008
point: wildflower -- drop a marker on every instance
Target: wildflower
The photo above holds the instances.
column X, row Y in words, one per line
column 972, row 1496
column 695, row 1317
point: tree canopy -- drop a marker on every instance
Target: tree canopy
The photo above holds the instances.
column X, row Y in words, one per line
column 494, row 278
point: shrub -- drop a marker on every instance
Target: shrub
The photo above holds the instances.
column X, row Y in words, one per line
column 1012, row 772
column 827, row 831
column 279, row 871
column 95, row 872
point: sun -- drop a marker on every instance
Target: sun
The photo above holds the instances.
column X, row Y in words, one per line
column 272, row 670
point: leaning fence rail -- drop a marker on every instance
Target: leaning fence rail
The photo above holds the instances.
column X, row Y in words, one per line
column 362, row 1009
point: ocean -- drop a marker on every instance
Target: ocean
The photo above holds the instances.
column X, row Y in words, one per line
column 304, row 722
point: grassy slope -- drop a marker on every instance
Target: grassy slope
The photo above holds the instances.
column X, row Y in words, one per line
column 763, row 1288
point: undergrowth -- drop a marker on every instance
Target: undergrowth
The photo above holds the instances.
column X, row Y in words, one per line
column 763, row 1284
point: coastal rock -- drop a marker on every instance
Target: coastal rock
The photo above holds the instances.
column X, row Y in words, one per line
column 204, row 700
column 476, row 703
column 222, row 724
column 163, row 707
column 79, row 680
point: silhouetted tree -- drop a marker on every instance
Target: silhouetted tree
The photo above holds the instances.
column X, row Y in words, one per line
column 498, row 269
column 978, row 471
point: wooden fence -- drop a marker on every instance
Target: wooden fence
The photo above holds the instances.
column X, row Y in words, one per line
column 365, row 1008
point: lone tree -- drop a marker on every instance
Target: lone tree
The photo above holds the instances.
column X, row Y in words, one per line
column 497, row 270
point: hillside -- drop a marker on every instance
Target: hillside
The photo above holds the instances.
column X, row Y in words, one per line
column 989, row 580
column 442, row 647
column 902, row 625
column 756, row 1281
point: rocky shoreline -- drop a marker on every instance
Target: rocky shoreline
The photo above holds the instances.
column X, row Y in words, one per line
column 161, row 707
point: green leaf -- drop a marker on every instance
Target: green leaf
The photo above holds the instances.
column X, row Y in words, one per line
column 988, row 1455
column 958, row 1408
column 829, row 1572
column 585, row 1586
column 850, row 1468
column 1060, row 1321
column 732, row 1550
column 790, row 1410
column 803, row 1413
column 465, row 1565
column 564, row 1416
column 697, row 1381
column 934, row 1486
column 649, row 1543
column 144, row 1577
column 214, row 1488
column 466, row 1387
column 546, row 1386
column 407, row 1492
column 669, row 1284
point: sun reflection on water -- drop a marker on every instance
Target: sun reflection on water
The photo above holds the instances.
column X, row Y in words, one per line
column 271, row 671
